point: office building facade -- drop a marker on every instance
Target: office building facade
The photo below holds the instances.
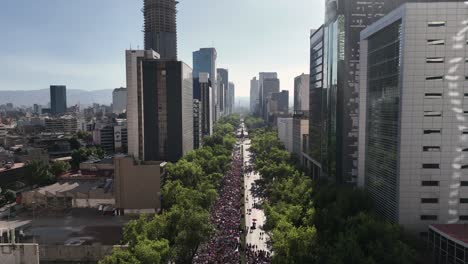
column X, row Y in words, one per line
column 301, row 113
column 206, row 104
column 285, row 132
column 223, row 86
column 261, row 94
column 160, row 27
column 168, row 110
column 135, row 95
column 58, row 99
column 254, row 95
column 413, row 110
column 204, row 61
column 197, row 124
column 119, row 101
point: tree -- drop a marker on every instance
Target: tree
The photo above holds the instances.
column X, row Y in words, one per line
column 39, row 173
column 188, row 173
column 59, row 167
column 120, row 256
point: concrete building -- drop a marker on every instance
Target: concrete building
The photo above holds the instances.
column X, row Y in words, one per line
column 113, row 138
column 413, row 107
column 254, row 95
column 65, row 124
column 197, row 124
column 58, row 99
column 206, row 104
column 223, row 86
column 285, row 132
column 160, row 107
column 160, row 27
column 19, row 253
column 138, row 186
column 119, row 101
column 135, row 114
column 204, row 61
column 448, row 243
column 63, row 196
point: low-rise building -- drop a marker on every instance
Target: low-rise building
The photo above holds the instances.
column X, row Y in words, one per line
column 65, row 124
column 137, row 185
column 448, row 243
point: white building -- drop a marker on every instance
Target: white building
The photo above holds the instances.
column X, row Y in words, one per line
column 413, row 137
column 301, row 113
column 134, row 91
column 119, row 100
column 285, row 132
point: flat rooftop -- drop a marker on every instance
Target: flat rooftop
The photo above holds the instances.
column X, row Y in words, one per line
column 453, row 231
column 79, row 227
column 15, row 166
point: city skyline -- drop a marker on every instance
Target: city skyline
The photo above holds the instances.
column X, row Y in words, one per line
column 89, row 57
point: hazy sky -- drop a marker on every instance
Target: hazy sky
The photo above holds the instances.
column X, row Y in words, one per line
column 81, row 43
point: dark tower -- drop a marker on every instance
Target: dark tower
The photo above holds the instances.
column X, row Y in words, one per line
column 161, row 27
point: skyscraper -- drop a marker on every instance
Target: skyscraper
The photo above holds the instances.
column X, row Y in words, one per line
column 58, row 99
column 344, row 20
column 160, row 27
column 301, row 113
column 135, row 106
column 413, row 134
column 223, row 83
column 204, row 61
column 254, row 93
column 261, row 93
column 206, row 103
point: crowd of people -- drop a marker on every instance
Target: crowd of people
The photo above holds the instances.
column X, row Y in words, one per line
column 256, row 256
column 224, row 245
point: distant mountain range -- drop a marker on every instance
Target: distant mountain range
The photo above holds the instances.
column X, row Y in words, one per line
column 42, row 97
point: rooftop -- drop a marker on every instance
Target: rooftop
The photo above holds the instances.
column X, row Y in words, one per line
column 453, row 231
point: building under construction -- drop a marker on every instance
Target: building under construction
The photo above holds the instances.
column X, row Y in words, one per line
column 160, row 27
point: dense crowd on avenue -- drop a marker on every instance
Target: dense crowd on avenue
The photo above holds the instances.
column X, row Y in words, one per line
column 255, row 256
column 224, row 245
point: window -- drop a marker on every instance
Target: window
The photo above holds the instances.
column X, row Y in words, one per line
column 463, row 217
column 464, row 183
column 464, row 167
column 430, row 183
column 431, row 149
column 465, row 150
column 429, row 200
column 432, row 131
column 436, row 24
column 433, row 95
column 432, row 113
column 435, row 42
column 431, row 166
column 434, row 78
column 465, row 132
column 464, row 200
column 435, row 60
column 428, row 217
column 466, row 95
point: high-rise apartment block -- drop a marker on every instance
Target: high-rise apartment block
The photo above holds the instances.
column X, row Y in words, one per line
column 254, row 95
column 58, row 99
column 204, row 61
column 413, row 132
column 160, row 27
column 119, row 100
column 197, row 124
